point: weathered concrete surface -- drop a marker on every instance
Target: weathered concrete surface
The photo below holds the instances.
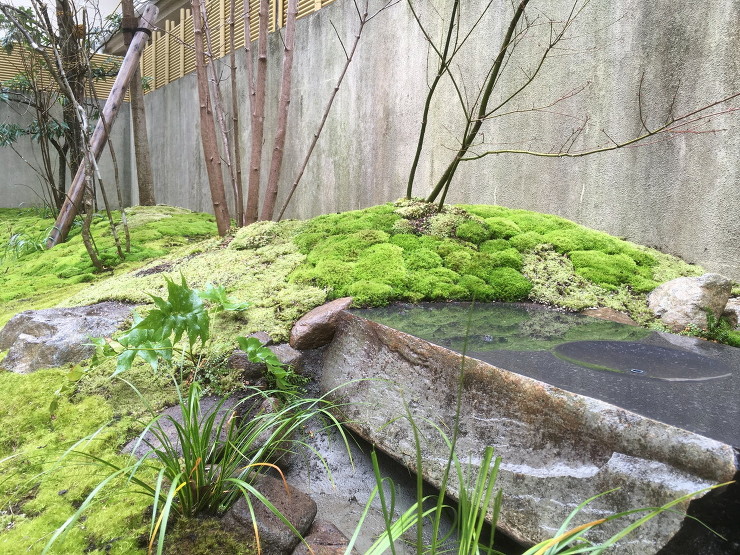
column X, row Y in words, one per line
column 57, row 336
column 20, row 185
column 678, row 195
column 558, row 448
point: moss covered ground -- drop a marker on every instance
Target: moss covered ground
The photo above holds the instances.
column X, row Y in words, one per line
column 404, row 251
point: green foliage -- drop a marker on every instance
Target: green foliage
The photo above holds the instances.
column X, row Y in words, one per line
column 382, row 263
column 422, row 259
column 526, row 241
column 509, row 258
column 371, row 293
column 718, row 329
column 212, row 463
column 494, row 245
column 281, row 377
column 611, row 270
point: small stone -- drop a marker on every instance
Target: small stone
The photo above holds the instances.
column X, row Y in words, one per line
column 610, row 314
column 287, row 355
column 684, row 302
column 251, row 371
column 296, row 506
column 263, row 336
column 317, row 327
column 323, row 539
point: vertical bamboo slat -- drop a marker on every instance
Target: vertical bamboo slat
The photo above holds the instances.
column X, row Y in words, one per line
column 163, row 63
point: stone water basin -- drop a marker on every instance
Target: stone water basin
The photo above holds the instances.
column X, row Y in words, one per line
column 682, row 381
column 566, row 429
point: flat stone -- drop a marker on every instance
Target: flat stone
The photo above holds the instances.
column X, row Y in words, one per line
column 276, row 538
column 610, row 314
column 316, row 328
column 558, row 448
column 323, row 539
column 684, row 302
column 54, row 337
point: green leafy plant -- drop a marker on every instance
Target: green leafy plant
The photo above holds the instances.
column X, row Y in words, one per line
column 718, row 329
column 282, row 377
column 156, row 337
column 219, row 457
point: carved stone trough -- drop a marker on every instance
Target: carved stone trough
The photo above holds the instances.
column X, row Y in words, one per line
column 558, row 448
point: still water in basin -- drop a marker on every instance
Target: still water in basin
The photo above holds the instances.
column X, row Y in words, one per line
column 682, row 381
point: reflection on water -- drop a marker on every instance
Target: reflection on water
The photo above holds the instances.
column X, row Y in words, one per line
column 497, row 326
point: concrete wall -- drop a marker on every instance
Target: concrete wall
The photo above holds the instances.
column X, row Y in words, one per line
column 21, row 186
column 680, row 194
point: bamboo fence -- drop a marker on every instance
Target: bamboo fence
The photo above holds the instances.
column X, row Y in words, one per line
column 171, row 55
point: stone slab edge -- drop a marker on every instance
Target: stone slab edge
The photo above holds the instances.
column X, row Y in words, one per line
column 557, row 448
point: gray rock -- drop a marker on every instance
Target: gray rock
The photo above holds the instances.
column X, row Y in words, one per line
column 288, row 355
column 684, row 301
column 558, row 448
column 57, row 336
column 251, row 372
column 316, row 328
column 296, row 506
column 732, row 312
column 172, row 416
column 323, row 539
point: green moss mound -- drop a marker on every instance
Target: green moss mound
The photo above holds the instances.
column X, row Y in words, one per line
column 487, row 253
column 36, row 278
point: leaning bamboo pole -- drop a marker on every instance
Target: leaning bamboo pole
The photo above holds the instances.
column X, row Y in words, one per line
column 100, row 134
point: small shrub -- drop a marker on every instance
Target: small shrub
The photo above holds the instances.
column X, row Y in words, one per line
column 526, row 241
column 458, row 260
column 607, row 270
column 382, row 263
column 478, row 289
column 509, row 258
column 494, row 245
column 509, row 285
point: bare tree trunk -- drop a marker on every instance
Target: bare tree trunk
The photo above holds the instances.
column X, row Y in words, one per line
column 258, row 119
column 218, row 104
column 138, row 116
column 208, row 129
column 268, row 207
column 113, row 104
column 443, row 184
column 239, row 199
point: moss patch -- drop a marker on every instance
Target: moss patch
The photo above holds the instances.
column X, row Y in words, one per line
column 40, row 278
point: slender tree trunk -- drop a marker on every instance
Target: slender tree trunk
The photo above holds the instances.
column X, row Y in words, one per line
column 258, row 119
column 69, row 49
column 138, row 117
column 218, row 103
column 443, row 184
column 110, row 110
column 239, row 200
column 364, row 17
column 268, row 207
column 208, row 129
